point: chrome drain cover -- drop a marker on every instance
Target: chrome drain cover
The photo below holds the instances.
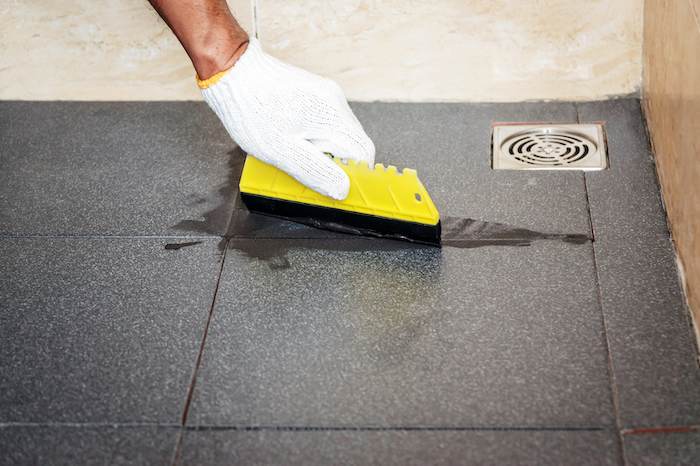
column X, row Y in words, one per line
column 548, row 147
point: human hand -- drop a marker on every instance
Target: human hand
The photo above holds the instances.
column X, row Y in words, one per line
column 289, row 118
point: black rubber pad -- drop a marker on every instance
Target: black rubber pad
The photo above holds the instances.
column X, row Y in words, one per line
column 344, row 221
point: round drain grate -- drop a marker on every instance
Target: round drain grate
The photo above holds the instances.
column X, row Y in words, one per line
column 548, row 146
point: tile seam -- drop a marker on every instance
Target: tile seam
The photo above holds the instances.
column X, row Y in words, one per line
column 198, row 362
column 203, row 341
column 656, row 430
column 89, row 425
column 614, row 396
column 488, row 241
column 292, row 428
column 30, row 236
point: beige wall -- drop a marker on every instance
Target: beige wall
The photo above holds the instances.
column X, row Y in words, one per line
column 412, row 50
column 93, row 50
column 672, row 104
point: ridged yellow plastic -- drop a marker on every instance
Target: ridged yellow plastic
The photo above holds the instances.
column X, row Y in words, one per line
column 381, row 191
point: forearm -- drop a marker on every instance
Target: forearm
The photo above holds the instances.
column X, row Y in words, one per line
column 207, row 30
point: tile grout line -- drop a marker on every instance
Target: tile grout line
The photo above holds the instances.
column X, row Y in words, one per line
column 292, row 428
column 660, row 430
column 198, row 362
column 232, row 220
column 640, row 430
column 487, row 241
column 614, row 395
column 97, row 236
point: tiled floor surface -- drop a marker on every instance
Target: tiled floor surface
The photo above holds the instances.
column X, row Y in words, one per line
column 147, row 318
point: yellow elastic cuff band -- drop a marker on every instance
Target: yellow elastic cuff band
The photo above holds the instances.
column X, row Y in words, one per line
column 205, row 83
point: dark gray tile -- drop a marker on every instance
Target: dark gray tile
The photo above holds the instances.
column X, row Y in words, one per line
column 449, row 145
column 661, row 449
column 353, row 333
column 115, row 168
column 100, row 330
column 54, row 445
column 651, row 342
column 400, row 447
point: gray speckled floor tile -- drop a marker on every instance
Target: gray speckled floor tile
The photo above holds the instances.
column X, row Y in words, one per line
column 665, row 449
column 69, row 446
column 100, row 330
column 449, row 145
column 399, row 448
column 107, row 168
column 344, row 333
column 651, row 342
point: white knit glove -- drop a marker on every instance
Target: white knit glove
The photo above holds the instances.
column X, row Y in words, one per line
column 288, row 117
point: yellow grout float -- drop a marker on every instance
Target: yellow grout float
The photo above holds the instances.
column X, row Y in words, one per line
column 382, row 201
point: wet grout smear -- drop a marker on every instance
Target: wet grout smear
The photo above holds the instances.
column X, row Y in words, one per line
column 458, row 232
column 178, row 246
column 216, row 220
column 273, row 251
column 470, row 233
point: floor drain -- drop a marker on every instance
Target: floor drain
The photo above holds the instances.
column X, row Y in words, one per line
column 549, row 147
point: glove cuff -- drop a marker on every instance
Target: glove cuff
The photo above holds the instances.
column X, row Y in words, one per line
column 207, row 83
column 252, row 53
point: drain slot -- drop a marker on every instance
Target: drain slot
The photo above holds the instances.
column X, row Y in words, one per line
column 549, row 147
